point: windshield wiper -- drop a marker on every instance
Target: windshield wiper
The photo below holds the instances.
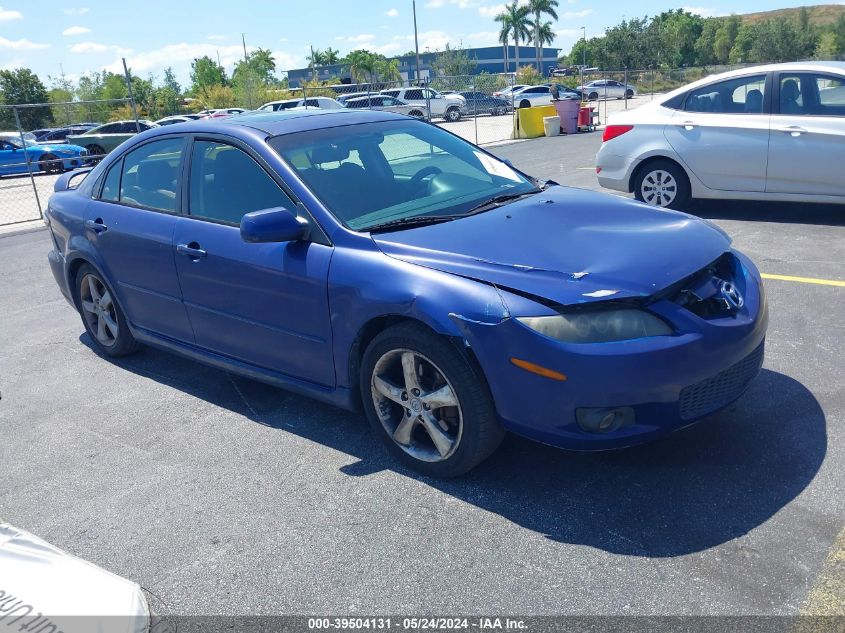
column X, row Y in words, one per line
column 405, row 223
column 497, row 201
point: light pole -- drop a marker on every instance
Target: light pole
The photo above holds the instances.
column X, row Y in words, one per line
column 416, row 41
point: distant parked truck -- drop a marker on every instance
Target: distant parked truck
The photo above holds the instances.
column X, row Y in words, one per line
column 103, row 139
column 449, row 107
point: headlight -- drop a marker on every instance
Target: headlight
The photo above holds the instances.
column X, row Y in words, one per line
column 598, row 326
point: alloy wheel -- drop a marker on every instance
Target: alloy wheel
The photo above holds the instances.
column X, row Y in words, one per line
column 99, row 310
column 659, row 188
column 417, row 405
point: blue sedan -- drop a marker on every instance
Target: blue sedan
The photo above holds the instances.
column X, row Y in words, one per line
column 377, row 262
column 52, row 158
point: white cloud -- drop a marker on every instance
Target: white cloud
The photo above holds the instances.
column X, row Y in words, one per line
column 483, row 38
column 77, row 11
column 216, row 38
column 491, row 11
column 392, row 13
column 12, row 64
column 576, row 14
column 94, row 47
column 180, row 56
column 702, row 11
column 568, row 33
column 75, row 30
column 21, row 45
column 8, row 14
column 461, row 4
column 363, row 38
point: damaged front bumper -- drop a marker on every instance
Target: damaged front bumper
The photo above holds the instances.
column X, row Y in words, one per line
column 656, row 385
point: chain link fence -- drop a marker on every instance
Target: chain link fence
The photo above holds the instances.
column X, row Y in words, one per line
column 41, row 141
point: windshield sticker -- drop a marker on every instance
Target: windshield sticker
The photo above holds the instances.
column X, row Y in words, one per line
column 497, row 168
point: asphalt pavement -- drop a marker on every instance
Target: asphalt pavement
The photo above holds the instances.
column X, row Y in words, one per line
column 220, row 495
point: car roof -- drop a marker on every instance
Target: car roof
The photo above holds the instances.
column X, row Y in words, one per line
column 283, row 122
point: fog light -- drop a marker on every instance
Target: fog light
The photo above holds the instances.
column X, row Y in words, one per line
column 604, row 419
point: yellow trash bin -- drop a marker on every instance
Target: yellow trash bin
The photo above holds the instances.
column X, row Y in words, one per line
column 528, row 123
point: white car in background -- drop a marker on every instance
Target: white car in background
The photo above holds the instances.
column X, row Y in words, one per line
column 326, row 103
column 505, row 93
column 449, row 107
column 607, row 89
column 773, row 132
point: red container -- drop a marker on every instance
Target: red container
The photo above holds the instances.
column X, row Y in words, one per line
column 585, row 116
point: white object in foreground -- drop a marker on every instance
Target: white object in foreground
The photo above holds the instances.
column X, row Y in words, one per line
column 45, row 589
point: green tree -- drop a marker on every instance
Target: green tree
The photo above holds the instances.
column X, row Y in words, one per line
column 725, row 38
column 362, row 65
column 540, row 9
column 23, row 86
column 776, row 40
column 454, row 62
column 705, row 46
column 206, row 73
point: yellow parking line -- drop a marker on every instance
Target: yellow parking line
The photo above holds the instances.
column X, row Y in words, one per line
column 805, row 280
column 827, row 597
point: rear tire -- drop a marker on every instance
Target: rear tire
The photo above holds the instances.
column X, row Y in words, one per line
column 428, row 401
column 593, row 96
column 525, row 103
column 97, row 151
column 101, row 315
column 416, row 114
column 629, row 93
column 662, row 183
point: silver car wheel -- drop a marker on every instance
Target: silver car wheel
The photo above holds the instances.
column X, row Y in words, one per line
column 417, row 406
column 98, row 308
column 659, row 188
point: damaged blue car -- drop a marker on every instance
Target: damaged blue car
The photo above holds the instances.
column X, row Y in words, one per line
column 382, row 263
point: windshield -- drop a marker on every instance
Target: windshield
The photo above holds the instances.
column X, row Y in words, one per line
column 16, row 141
column 374, row 173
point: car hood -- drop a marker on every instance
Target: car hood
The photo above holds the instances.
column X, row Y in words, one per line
column 63, row 147
column 565, row 245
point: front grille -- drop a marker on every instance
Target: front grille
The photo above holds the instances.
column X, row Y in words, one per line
column 717, row 391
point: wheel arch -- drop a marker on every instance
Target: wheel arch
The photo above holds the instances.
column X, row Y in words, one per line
column 645, row 163
column 375, row 326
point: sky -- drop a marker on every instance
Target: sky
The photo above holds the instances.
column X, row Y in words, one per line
column 82, row 36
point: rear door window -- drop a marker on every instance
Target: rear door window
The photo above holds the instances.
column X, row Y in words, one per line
column 741, row 95
column 150, row 175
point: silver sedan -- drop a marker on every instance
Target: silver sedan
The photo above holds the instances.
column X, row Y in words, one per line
column 388, row 104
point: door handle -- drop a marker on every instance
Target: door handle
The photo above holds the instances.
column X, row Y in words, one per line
column 191, row 250
column 96, row 225
column 793, row 130
column 687, row 125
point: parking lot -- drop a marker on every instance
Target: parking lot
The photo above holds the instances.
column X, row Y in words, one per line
column 220, row 495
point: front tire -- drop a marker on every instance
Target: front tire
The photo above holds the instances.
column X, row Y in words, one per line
column 662, row 183
column 525, row 103
column 453, row 115
column 428, row 401
column 101, row 315
column 593, row 96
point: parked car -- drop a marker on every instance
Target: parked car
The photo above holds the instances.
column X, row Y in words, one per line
column 53, row 158
column 448, row 107
column 59, row 135
column 532, row 96
column 482, row 103
column 103, row 139
column 342, row 99
column 607, row 89
column 326, row 103
column 505, row 93
column 774, row 132
column 170, row 120
column 366, row 258
column 387, row 104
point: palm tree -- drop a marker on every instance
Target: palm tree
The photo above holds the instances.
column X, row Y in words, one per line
column 540, row 8
column 504, row 36
column 331, row 56
column 517, row 18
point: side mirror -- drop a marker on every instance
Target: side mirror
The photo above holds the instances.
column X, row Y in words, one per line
column 273, row 225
